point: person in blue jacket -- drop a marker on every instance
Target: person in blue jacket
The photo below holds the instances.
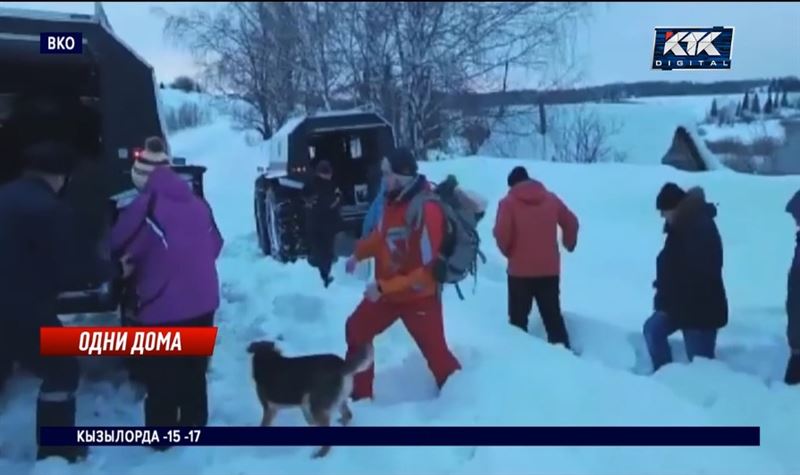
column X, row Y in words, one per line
column 793, row 300
column 374, row 212
column 43, row 252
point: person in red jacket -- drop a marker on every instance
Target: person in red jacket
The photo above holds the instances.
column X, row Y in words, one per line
column 404, row 287
column 526, row 231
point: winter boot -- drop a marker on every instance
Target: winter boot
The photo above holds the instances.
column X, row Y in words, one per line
column 57, row 409
column 793, row 370
column 160, row 412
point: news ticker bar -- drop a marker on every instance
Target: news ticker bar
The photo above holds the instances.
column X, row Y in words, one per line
column 514, row 436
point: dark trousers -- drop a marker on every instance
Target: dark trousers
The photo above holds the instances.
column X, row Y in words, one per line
column 793, row 369
column 321, row 253
column 133, row 364
column 176, row 386
column 522, row 291
column 19, row 343
column 324, row 268
column 55, row 407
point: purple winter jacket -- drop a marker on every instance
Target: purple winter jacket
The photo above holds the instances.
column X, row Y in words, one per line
column 173, row 243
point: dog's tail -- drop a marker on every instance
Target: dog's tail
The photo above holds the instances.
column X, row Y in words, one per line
column 359, row 361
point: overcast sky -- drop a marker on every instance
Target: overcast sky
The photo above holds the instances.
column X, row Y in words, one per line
column 614, row 45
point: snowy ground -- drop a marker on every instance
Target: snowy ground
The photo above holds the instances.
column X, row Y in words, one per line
column 509, row 378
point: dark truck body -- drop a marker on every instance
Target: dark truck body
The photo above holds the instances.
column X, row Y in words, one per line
column 354, row 142
column 125, row 102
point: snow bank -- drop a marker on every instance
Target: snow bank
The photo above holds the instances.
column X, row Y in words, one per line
column 509, row 378
column 174, row 98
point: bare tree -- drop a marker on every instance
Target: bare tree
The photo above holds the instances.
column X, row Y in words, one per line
column 320, row 58
column 248, row 51
column 581, row 136
column 365, row 42
column 444, row 48
column 188, row 115
column 403, row 59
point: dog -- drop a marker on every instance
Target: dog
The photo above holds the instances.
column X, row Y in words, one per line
column 317, row 384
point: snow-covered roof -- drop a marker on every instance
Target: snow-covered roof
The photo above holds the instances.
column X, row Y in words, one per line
column 287, row 128
column 338, row 113
column 46, row 15
column 294, row 122
column 711, row 161
column 58, row 16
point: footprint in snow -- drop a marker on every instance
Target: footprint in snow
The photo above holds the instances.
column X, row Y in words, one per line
column 299, row 308
column 493, row 272
column 232, row 294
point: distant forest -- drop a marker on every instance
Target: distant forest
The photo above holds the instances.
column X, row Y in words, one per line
column 616, row 92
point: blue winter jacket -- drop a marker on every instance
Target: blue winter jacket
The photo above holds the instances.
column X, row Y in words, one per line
column 793, row 287
column 374, row 212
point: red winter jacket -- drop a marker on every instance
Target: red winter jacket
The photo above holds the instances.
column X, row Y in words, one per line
column 526, row 230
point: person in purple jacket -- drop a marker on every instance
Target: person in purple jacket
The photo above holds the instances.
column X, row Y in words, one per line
column 168, row 243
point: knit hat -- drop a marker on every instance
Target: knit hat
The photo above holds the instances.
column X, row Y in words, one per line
column 402, row 162
column 56, row 158
column 517, row 175
column 324, row 168
column 669, row 197
column 153, row 155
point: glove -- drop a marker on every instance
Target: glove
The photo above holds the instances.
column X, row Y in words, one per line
column 127, row 267
column 350, row 265
column 373, row 292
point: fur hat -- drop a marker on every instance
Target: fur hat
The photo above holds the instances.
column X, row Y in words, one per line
column 517, row 175
column 153, row 155
column 669, row 197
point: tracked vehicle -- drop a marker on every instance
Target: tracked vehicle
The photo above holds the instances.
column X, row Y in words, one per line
column 354, row 142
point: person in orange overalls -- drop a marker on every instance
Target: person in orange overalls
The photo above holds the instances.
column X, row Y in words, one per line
column 404, row 287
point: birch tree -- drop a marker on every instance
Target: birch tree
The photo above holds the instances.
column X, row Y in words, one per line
column 247, row 51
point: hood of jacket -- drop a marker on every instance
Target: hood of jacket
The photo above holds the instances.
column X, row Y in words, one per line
column 412, row 188
column 165, row 182
column 692, row 207
column 529, row 192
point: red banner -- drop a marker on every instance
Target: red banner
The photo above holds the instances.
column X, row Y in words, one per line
column 139, row 341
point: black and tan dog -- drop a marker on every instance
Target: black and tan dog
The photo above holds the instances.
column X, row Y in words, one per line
column 317, row 384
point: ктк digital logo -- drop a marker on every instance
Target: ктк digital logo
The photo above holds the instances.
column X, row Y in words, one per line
column 693, row 49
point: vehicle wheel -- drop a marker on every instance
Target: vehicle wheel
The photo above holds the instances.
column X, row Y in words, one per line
column 261, row 230
column 275, row 227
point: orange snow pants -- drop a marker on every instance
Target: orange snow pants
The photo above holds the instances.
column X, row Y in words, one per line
column 423, row 320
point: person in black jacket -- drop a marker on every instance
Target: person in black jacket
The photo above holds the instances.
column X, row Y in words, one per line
column 323, row 220
column 793, row 300
column 690, row 292
column 41, row 255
